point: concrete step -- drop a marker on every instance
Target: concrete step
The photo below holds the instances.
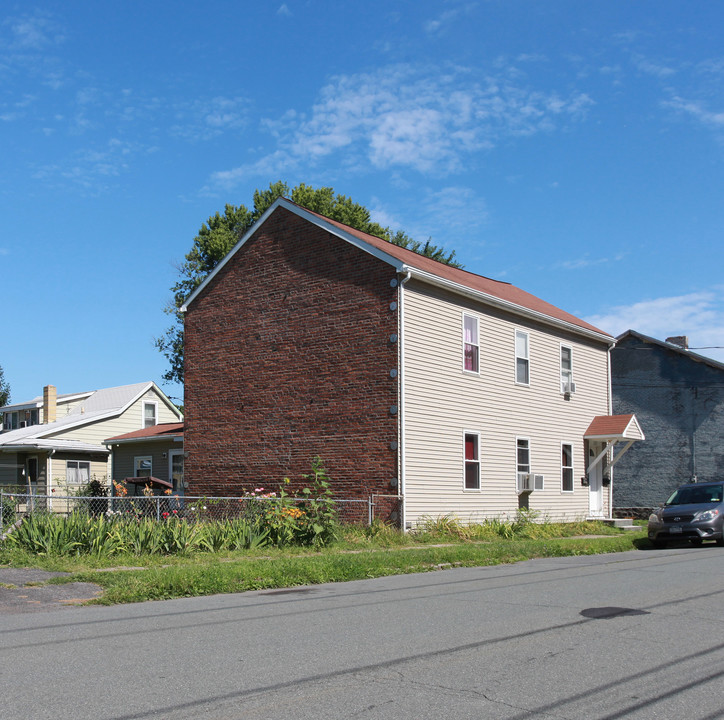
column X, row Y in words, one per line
column 624, row 524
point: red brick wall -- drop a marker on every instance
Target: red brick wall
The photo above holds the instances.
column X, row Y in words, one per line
column 288, row 356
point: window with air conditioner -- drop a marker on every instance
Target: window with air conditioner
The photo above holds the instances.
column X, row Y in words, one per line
column 523, row 475
column 567, row 384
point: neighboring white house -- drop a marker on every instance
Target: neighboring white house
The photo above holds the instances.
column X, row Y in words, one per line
column 55, row 442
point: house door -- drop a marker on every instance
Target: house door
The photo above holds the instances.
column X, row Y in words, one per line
column 31, row 475
column 595, row 480
column 176, row 470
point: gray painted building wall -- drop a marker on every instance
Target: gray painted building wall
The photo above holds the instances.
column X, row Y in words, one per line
column 679, row 402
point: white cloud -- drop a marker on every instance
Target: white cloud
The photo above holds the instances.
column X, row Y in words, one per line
column 284, row 10
column 697, row 111
column 426, row 119
column 698, row 315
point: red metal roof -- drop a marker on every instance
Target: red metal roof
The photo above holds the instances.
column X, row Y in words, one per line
column 496, row 288
column 610, row 426
column 155, row 431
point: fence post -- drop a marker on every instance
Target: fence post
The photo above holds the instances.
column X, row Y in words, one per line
column 158, row 508
column 370, row 509
column 2, row 505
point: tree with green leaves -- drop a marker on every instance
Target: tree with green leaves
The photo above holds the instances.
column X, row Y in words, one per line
column 4, row 390
column 220, row 233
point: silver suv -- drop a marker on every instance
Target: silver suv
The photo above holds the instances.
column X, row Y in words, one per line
column 695, row 512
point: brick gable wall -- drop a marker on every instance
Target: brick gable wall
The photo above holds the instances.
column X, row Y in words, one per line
column 288, row 356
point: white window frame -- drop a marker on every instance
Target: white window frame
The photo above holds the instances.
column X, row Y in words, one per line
column 570, row 467
column 145, row 404
column 76, row 466
column 568, row 377
column 466, row 461
column 522, row 334
column 137, row 460
column 475, row 345
column 518, row 440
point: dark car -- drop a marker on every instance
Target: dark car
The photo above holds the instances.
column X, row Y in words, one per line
column 695, row 512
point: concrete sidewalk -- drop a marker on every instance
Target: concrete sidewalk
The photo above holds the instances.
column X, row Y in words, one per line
column 23, row 590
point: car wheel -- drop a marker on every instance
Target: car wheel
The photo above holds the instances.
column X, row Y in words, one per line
column 696, row 542
column 720, row 541
column 659, row 543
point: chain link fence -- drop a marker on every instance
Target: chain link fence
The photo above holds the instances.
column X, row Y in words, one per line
column 15, row 506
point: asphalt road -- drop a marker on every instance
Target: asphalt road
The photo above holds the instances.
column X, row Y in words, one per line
column 631, row 635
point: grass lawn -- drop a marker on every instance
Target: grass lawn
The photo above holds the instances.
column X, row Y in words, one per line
column 359, row 553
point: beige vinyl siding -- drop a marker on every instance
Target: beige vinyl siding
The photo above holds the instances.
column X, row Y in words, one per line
column 128, row 421
column 98, row 470
column 442, row 402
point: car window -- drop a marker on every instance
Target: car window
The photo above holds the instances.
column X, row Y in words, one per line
column 696, row 495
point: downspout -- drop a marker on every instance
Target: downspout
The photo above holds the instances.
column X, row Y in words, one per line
column 49, row 483
column 401, row 385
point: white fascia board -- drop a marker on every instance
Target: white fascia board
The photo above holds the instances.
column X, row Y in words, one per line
column 159, row 392
column 488, row 299
column 310, row 217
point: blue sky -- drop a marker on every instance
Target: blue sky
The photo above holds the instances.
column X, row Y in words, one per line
column 572, row 148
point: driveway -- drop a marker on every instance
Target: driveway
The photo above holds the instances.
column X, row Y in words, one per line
column 23, row 590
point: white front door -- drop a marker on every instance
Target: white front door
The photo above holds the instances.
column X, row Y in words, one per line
column 595, row 479
column 176, row 470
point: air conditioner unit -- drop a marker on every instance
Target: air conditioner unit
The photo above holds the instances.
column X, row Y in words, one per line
column 525, row 483
column 537, row 482
column 569, row 387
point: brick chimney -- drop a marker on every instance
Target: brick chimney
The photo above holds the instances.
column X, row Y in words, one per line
column 681, row 340
column 50, row 406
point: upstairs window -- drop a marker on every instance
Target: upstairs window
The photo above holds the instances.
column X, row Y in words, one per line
column 567, row 384
column 149, row 414
column 522, row 358
column 566, row 467
column 471, row 344
column 472, row 461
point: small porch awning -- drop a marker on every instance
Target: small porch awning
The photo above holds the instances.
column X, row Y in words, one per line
column 610, row 430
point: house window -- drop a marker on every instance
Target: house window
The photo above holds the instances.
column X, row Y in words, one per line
column 149, row 414
column 472, row 461
column 142, row 466
column 566, row 369
column 471, row 344
column 566, row 467
column 522, row 360
column 77, row 472
column 522, row 456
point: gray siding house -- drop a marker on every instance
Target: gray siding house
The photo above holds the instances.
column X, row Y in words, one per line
column 678, row 397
